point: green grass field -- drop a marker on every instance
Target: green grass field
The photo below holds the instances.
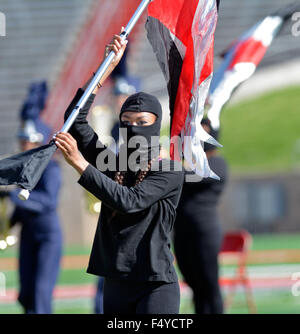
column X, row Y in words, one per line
column 268, row 300
column 260, row 135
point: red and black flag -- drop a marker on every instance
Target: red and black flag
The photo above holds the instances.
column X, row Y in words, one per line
column 181, row 33
column 242, row 59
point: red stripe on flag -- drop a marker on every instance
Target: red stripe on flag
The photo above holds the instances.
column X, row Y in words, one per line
column 249, row 51
column 176, row 15
column 184, row 94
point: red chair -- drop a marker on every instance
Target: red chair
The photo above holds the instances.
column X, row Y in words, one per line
column 237, row 244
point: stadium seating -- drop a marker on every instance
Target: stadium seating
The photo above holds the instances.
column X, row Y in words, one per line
column 38, row 36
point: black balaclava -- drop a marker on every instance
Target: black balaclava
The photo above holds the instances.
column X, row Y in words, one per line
column 142, row 102
column 212, row 132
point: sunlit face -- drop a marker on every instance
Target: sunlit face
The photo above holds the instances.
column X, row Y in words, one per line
column 138, row 118
column 27, row 145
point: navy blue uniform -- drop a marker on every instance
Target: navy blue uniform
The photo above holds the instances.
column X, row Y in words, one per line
column 41, row 241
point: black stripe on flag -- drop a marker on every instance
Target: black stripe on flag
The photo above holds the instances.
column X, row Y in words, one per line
column 167, row 55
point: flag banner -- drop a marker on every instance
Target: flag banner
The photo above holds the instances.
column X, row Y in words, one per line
column 181, row 33
column 25, row 169
column 242, row 59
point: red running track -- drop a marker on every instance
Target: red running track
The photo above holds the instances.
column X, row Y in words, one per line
column 89, row 291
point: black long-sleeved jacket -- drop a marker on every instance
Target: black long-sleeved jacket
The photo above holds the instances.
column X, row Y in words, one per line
column 135, row 242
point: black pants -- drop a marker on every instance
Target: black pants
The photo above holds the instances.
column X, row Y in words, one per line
column 197, row 244
column 132, row 297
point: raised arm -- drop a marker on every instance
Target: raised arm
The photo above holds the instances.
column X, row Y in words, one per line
column 118, row 46
column 87, row 140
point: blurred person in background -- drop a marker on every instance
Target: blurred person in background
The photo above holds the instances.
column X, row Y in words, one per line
column 41, row 237
column 198, row 232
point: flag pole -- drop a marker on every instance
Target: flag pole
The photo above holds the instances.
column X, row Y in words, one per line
column 101, row 71
column 25, row 193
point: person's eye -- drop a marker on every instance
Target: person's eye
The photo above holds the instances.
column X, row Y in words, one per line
column 141, row 123
column 125, row 122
